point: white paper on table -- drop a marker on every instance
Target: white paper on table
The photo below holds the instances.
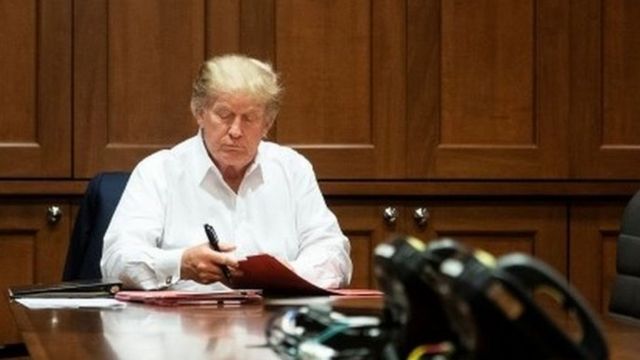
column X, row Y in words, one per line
column 71, row 303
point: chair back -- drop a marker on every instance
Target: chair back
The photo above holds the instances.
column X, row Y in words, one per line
column 98, row 204
column 625, row 296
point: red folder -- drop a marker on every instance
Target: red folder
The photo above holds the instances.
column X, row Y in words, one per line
column 274, row 278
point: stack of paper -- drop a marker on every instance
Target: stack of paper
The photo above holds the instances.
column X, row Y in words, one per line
column 70, row 303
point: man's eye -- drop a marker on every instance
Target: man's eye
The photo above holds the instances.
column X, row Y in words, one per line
column 224, row 114
column 251, row 118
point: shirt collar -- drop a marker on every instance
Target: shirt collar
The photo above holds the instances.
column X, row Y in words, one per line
column 203, row 165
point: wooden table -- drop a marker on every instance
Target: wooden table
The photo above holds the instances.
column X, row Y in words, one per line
column 143, row 332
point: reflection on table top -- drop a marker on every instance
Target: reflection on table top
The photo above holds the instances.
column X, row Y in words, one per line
column 197, row 332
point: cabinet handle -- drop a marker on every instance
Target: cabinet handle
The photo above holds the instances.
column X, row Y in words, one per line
column 54, row 213
column 421, row 216
column 390, row 215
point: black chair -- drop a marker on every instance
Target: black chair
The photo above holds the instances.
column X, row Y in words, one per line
column 85, row 247
column 625, row 297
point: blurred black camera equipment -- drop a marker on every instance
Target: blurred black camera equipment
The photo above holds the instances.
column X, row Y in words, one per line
column 446, row 301
column 316, row 332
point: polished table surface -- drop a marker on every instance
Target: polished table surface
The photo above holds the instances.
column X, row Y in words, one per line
column 195, row 332
column 154, row 332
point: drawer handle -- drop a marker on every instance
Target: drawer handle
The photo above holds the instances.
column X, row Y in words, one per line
column 421, row 216
column 54, row 213
column 390, row 215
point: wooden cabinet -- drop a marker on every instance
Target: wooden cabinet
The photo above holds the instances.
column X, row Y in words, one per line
column 488, row 91
column 32, row 250
column 134, row 64
column 408, row 90
column 535, row 228
column 35, row 90
column 605, row 75
column 425, row 89
column 386, row 89
column 592, row 247
column 343, row 66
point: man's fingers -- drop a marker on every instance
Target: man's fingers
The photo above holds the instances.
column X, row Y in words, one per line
column 226, row 247
column 224, row 259
column 204, row 265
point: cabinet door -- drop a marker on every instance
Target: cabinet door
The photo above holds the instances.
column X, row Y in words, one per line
column 134, row 64
column 592, row 250
column 605, row 78
column 488, row 89
column 32, row 250
column 363, row 223
column 343, row 67
column 537, row 229
column 35, row 90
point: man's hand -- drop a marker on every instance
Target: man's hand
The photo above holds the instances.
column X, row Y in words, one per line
column 202, row 264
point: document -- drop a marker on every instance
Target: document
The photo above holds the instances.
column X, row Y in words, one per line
column 71, row 303
column 274, row 278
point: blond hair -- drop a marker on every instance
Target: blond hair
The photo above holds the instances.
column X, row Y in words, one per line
column 233, row 74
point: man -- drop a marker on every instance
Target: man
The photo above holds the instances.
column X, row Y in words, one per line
column 259, row 196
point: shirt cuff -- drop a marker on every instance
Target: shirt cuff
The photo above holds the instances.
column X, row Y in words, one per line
column 168, row 266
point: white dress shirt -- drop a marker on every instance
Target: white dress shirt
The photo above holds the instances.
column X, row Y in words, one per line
column 278, row 209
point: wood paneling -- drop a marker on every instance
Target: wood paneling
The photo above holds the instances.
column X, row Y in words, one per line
column 363, row 224
column 480, row 38
column 487, row 89
column 343, row 65
column 223, row 27
column 31, row 251
column 535, row 228
column 35, row 91
column 605, row 81
column 593, row 243
column 135, row 62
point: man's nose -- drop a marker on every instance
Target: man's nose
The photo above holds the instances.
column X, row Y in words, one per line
column 235, row 131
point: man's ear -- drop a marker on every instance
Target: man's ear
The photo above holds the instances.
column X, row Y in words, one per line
column 266, row 129
column 199, row 119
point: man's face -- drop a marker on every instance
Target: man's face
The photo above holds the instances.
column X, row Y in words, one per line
column 233, row 127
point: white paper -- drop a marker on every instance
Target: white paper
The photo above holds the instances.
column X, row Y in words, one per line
column 189, row 285
column 71, row 303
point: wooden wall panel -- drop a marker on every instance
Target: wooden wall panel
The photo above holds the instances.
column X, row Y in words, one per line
column 257, row 29
column 606, row 75
column 343, row 66
column 223, row 27
column 322, row 45
column 135, row 62
column 592, row 249
column 480, row 85
column 31, row 251
column 362, row 223
column 35, row 68
column 481, row 38
column 534, row 228
column 17, row 69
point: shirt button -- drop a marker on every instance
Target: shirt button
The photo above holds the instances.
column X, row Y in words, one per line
column 168, row 280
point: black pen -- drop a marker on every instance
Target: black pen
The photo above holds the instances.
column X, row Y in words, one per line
column 213, row 242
